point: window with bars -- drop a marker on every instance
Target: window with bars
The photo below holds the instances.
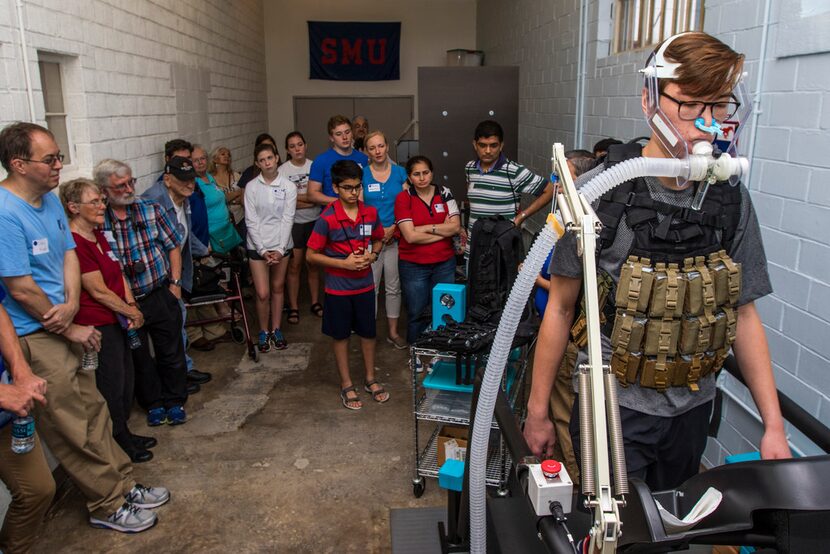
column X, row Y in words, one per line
column 51, row 82
column 641, row 23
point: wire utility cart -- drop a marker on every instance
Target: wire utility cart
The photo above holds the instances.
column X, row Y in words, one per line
column 437, row 400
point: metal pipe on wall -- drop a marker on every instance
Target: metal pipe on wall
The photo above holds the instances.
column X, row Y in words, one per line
column 579, row 130
column 24, row 49
column 759, row 84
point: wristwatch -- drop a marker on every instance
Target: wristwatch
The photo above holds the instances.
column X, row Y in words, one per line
column 176, row 282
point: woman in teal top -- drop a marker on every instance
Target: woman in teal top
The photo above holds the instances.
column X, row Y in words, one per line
column 223, row 235
column 382, row 181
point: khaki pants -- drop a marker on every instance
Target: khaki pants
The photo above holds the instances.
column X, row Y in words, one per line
column 561, row 404
column 76, row 425
column 31, row 485
column 210, row 331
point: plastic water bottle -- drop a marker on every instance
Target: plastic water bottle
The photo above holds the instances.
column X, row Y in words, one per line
column 90, row 360
column 23, row 434
column 133, row 339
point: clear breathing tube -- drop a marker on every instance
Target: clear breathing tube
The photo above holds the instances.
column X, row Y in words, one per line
column 694, row 167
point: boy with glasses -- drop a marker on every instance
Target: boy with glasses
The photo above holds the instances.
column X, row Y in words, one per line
column 346, row 241
column 666, row 396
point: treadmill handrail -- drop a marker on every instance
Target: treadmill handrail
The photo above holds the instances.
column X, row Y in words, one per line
column 812, row 428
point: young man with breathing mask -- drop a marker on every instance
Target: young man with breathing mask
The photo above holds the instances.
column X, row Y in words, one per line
column 683, row 280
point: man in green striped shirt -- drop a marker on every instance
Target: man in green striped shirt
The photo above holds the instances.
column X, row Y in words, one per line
column 495, row 184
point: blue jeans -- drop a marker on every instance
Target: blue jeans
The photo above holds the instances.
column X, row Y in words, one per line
column 417, row 282
column 187, row 357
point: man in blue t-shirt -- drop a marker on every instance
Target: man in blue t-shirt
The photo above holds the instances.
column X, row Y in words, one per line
column 41, row 274
column 320, row 190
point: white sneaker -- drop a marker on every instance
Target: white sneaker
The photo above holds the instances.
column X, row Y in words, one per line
column 128, row 519
column 148, row 497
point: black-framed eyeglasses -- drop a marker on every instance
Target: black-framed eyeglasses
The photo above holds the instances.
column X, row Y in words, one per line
column 123, row 186
column 51, row 161
column 349, row 189
column 691, row 110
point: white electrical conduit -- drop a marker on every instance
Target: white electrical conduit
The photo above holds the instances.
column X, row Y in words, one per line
column 759, row 83
column 24, row 49
column 581, row 72
column 692, row 168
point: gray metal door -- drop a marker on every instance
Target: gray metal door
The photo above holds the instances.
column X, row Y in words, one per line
column 451, row 102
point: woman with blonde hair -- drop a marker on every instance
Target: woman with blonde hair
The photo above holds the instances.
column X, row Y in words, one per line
column 220, row 167
column 383, row 180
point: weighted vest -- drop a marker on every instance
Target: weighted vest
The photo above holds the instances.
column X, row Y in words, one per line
column 673, row 316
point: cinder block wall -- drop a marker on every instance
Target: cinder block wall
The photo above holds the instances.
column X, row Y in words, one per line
column 790, row 180
column 139, row 73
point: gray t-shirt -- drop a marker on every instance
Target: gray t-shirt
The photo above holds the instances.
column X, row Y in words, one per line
column 747, row 249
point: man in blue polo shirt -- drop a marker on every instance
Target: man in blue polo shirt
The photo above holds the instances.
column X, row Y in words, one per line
column 320, row 190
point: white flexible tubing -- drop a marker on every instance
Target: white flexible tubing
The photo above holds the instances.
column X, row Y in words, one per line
column 497, row 361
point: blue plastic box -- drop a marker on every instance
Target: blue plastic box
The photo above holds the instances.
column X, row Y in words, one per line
column 451, row 475
column 454, row 303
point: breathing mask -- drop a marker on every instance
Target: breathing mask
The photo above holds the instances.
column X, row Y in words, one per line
column 728, row 118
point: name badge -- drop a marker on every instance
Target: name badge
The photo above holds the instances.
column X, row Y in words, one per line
column 279, row 194
column 40, row 246
column 374, row 187
column 112, row 255
column 439, row 208
column 366, row 230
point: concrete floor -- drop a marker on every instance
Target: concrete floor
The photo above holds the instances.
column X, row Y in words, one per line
column 270, row 461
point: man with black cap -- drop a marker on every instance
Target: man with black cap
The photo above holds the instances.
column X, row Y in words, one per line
column 200, row 239
column 151, row 237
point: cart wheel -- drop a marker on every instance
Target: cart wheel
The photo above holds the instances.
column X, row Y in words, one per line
column 419, row 488
column 237, row 334
column 253, row 353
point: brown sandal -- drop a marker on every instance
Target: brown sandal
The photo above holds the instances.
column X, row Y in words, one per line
column 376, row 393
column 344, row 397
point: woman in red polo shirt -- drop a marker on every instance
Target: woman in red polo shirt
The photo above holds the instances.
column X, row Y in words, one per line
column 428, row 219
column 105, row 296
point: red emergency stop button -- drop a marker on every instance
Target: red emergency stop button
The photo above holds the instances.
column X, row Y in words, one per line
column 551, row 468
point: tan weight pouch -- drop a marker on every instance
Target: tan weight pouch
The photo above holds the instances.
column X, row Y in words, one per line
column 655, row 375
column 718, row 340
column 693, row 303
column 695, row 334
column 720, row 277
column 626, row 367
column 628, row 333
column 661, row 337
column 668, row 292
column 634, row 286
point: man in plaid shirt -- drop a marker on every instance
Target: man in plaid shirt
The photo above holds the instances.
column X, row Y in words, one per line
column 148, row 244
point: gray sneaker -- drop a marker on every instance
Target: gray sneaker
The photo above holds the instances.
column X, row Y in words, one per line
column 148, row 497
column 128, row 519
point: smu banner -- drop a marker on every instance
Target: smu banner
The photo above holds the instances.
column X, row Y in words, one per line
column 346, row 51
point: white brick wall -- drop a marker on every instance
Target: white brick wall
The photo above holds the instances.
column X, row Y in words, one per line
column 119, row 92
column 790, row 178
column 120, row 85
